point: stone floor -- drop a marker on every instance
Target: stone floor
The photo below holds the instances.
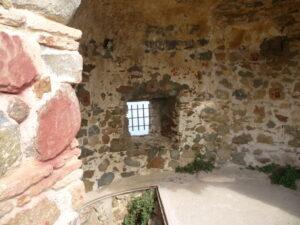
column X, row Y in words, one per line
column 228, row 196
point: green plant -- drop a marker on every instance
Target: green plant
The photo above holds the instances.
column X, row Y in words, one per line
column 268, row 168
column 282, row 175
column 285, row 176
column 199, row 164
column 140, row 209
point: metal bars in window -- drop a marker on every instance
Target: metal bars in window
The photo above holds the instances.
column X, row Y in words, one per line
column 138, row 118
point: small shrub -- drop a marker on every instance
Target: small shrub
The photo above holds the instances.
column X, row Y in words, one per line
column 281, row 175
column 268, row 168
column 199, row 164
column 285, row 176
column 140, row 209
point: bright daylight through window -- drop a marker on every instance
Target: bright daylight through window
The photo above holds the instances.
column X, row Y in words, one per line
column 138, row 118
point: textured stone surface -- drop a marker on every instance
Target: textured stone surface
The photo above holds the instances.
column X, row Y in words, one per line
column 58, row 42
column 11, row 19
column 242, row 139
column 5, row 207
column 16, row 64
column 40, row 23
column 18, row 110
column 156, row 162
column 10, row 148
column 48, row 182
column 59, row 122
column 232, row 68
column 103, row 165
column 262, row 138
column 106, row 179
column 61, row 11
column 296, row 90
column 65, row 65
column 21, row 178
column 42, row 86
column 42, row 213
column 133, row 163
column 70, row 178
column 78, row 194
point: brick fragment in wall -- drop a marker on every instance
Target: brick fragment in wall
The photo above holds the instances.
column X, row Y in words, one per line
column 19, row 62
column 65, row 66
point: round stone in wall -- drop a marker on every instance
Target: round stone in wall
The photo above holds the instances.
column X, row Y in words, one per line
column 18, row 110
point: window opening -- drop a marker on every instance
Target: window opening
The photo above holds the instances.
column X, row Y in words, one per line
column 138, row 118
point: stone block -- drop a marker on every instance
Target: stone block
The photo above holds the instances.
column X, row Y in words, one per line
column 10, row 149
column 106, row 179
column 18, row 60
column 49, row 181
column 296, row 90
column 21, row 178
column 39, row 23
column 59, row 121
column 72, row 177
column 242, row 139
column 62, row 158
column 59, row 10
column 58, row 42
column 18, row 110
column 41, row 212
column 7, row 17
column 66, row 66
column 5, row 207
column 262, row 138
column 53, row 122
column 42, row 86
column 77, row 190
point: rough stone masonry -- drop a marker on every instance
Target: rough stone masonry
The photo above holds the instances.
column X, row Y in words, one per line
column 231, row 66
column 40, row 175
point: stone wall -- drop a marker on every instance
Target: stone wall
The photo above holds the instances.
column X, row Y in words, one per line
column 233, row 67
column 40, row 175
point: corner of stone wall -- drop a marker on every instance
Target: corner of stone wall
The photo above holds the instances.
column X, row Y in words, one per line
column 40, row 175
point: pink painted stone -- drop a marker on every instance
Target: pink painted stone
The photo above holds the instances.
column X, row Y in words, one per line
column 59, row 122
column 16, row 66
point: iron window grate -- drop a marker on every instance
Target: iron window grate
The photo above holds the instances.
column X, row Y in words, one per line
column 138, row 118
